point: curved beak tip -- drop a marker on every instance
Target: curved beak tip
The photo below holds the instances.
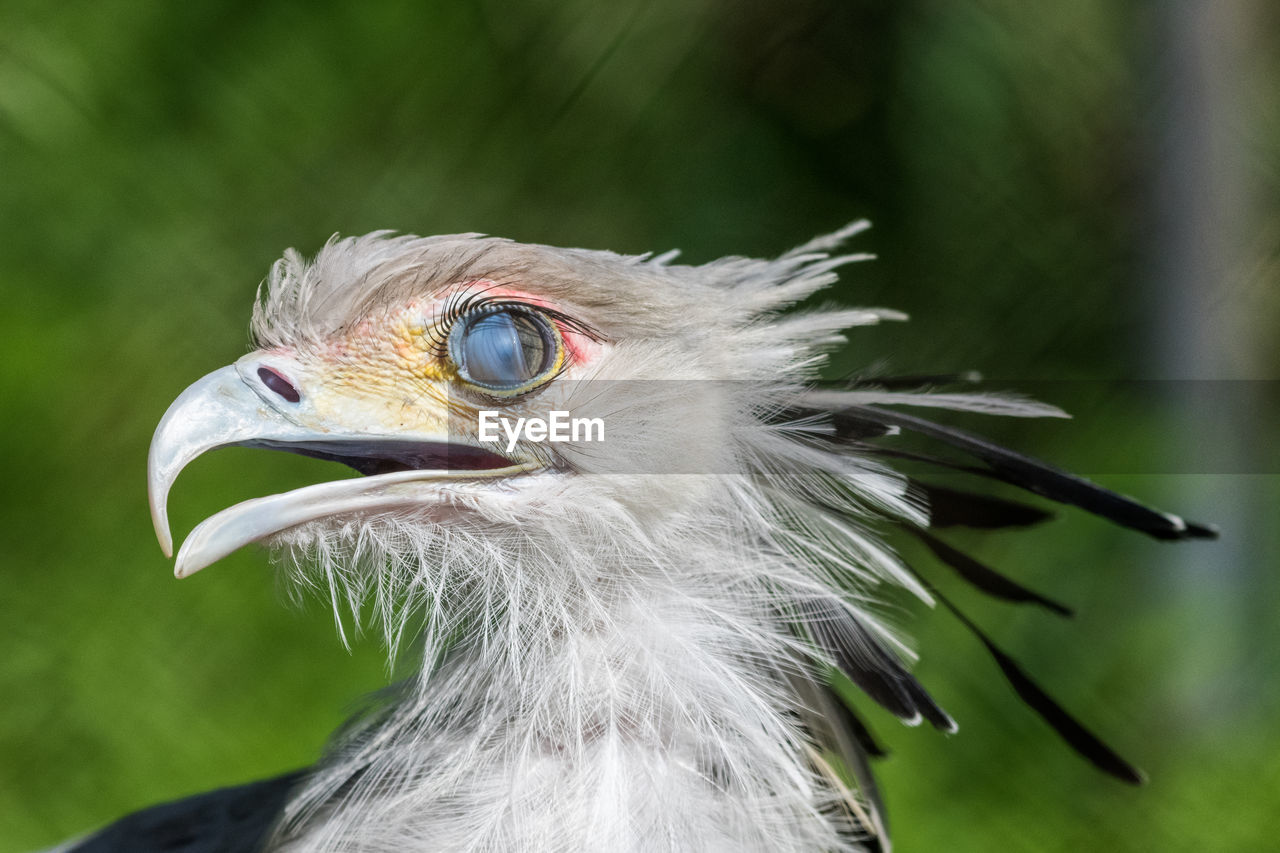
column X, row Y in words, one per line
column 216, row 410
column 161, row 524
column 157, row 497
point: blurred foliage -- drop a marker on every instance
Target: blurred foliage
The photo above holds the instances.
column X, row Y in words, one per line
column 156, row 157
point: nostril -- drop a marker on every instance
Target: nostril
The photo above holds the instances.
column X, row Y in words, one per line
column 279, row 384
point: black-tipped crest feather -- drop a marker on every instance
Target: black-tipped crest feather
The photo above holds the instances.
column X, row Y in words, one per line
column 1084, row 742
column 869, row 665
column 1039, row 477
column 982, row 576
column 950, row 507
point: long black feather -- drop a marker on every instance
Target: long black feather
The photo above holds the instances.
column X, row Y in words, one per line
column 983, row 576
column 869, row 665
column 980, row 575
column 1085, row 743
column 1038, row 477
column 855, row 429
column 950, row 507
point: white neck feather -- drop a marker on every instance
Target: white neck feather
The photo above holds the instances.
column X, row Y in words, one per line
column 590, row 692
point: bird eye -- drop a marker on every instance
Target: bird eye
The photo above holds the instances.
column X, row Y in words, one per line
column 504, row 348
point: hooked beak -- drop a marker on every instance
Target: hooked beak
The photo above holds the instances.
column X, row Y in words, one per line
column 230, row 408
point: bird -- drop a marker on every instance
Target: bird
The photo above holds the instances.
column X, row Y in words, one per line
column 653, row 632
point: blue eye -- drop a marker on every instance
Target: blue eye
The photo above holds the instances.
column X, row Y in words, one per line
column 503, row 349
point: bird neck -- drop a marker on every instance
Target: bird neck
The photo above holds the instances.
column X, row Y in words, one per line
column 603, row 703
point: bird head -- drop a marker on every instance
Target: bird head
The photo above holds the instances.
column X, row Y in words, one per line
column 415, row 361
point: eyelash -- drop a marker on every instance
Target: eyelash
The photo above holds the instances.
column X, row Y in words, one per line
column 467, row 302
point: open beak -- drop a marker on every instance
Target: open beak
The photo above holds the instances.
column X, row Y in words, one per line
column 227, row 408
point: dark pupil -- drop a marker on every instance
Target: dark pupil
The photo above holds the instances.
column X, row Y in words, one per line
column 504, row 349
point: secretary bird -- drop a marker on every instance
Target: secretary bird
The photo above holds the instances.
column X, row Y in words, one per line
column 642, row 636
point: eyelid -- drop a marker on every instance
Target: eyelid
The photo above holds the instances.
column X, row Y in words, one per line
column 456, row 306
column 465, row 303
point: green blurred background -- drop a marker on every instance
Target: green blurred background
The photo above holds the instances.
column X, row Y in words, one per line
column 1064, row 194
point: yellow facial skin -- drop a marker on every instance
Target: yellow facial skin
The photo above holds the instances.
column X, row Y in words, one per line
column 391, row 375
